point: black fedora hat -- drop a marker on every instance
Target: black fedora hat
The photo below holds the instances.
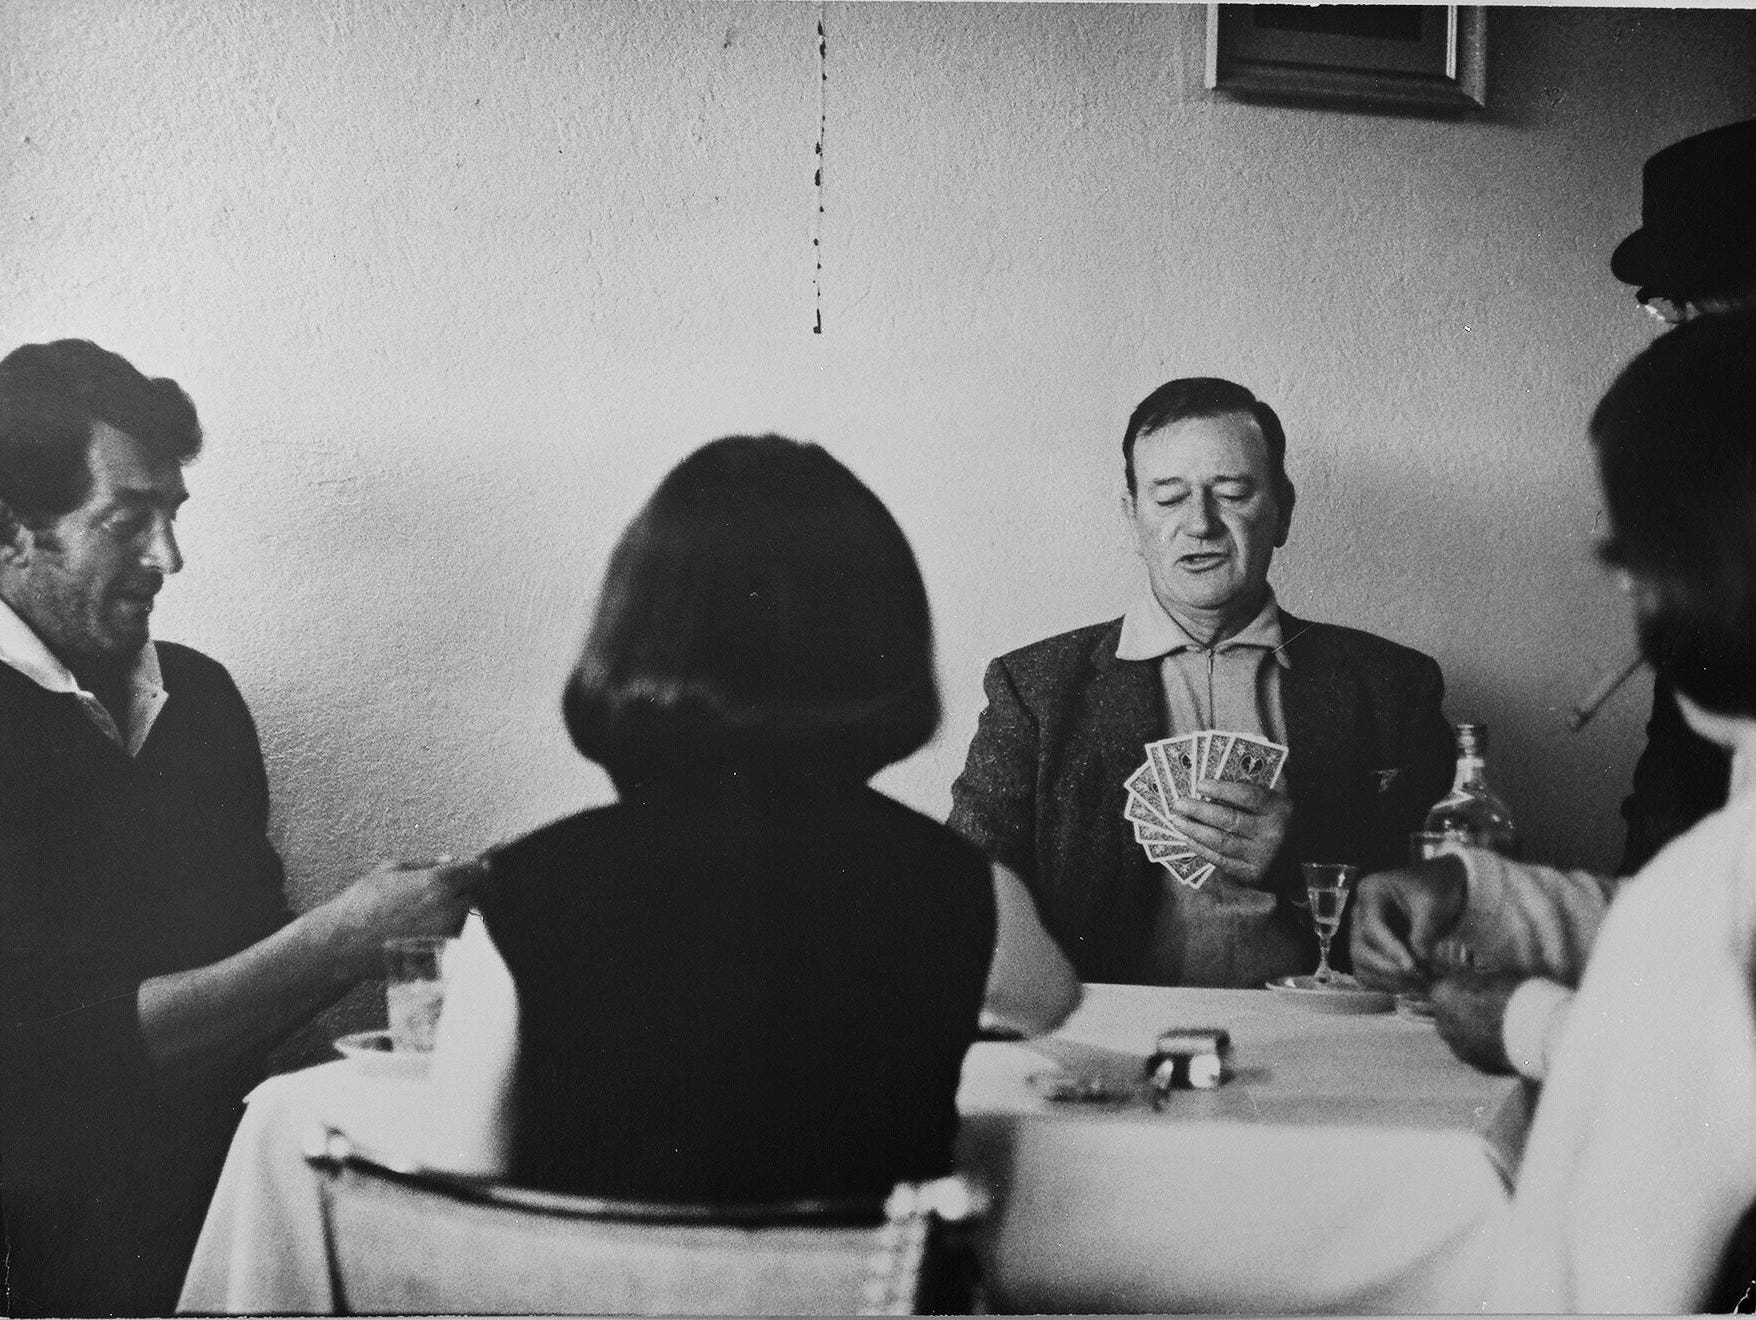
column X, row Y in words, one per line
column 1697, row 215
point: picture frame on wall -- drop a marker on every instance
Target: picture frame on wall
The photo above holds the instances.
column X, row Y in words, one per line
column 1413, row 58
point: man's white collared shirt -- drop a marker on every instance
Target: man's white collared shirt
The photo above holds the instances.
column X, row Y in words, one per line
column 23, row 650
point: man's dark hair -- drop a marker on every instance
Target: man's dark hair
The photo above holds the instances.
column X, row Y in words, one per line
column 1209, row 396
column 50, row 396
column 763, row 609
column 1676, row 449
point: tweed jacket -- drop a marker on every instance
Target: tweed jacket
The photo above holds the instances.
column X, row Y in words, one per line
column 1042, row 790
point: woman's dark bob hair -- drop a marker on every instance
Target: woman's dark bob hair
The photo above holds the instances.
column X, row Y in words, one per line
column 1676, row 449
column 762, row 610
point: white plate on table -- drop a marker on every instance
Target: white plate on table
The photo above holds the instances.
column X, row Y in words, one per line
column 1342, row 994
column 375, row 1054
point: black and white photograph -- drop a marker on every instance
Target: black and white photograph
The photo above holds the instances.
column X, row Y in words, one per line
column 785, row 657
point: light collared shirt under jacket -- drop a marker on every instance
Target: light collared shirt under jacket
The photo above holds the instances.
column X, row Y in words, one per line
column 1232, row 686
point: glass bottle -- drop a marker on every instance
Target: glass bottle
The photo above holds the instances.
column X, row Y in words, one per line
column 1472, row 812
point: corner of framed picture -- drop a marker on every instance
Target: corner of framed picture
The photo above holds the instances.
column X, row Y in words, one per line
column 1416, row 59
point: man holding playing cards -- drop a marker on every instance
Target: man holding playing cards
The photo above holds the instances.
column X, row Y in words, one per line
column 1156, row 779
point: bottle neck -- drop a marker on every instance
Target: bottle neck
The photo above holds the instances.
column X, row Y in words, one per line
column 1471, row 773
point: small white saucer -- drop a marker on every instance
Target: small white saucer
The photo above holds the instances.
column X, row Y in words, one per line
column 1342, row 994
column 374, row 1054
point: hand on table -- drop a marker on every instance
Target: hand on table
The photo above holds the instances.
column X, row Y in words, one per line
column 402, row 898
column 1400, row 917
column 1237, row 827
column 209, row 1012
column 1470, row 1011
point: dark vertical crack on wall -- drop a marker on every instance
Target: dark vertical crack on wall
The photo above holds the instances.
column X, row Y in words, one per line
column 817, row 178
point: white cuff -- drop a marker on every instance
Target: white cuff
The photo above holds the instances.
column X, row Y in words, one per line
column 1534, row 1017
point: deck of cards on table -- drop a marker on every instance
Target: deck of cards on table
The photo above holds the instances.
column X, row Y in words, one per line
column 1172, row 767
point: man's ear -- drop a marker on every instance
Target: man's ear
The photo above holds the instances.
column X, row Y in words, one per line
column 1287, row 498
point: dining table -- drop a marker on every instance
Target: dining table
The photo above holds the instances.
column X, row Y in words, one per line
column 1349, row 1163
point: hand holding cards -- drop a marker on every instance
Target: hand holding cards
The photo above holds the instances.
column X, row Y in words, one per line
column 1173, row 765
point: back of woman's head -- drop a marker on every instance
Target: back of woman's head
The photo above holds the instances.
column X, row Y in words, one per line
column 1676, row 445
column 763, row 608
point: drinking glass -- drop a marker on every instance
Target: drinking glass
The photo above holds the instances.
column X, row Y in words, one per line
column 414, row 988
column 1327, row 884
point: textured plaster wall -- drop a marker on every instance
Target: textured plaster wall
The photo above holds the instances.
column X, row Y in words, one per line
column 454, row 283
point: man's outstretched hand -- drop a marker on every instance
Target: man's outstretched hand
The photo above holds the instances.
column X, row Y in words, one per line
column 401, row 898
column 211, row 1011
column 1400, row 917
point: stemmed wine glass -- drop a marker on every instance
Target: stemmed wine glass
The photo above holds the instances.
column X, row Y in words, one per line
column 1327, row 884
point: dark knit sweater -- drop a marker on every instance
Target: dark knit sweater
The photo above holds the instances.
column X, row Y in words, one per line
column 113, row 870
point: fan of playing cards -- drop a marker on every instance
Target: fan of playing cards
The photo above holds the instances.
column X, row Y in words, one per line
column 1172, row 767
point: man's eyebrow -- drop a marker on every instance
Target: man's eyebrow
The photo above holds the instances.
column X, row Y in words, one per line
column 146, row 497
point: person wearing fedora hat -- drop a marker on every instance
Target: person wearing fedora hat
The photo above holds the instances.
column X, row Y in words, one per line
column 1695, row 250
column 1694, row 254
column 1528, row 929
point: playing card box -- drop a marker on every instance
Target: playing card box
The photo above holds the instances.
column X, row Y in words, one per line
column 1189, row 1059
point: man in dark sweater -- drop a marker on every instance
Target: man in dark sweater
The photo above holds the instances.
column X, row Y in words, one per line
column 146, row 954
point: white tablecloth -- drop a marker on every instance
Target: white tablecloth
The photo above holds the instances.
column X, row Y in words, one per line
column 1346, row 1168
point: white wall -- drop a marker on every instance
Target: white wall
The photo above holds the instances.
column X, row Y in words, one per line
column 453, row 284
